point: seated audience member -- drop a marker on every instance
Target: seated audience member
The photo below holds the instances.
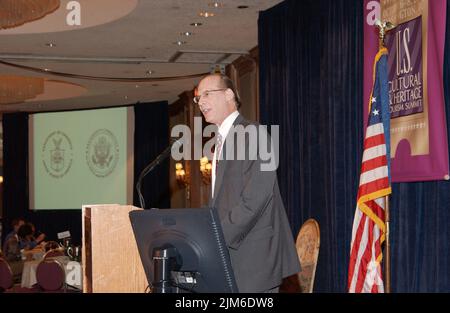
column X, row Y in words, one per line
column 13, row 256
column 26, row 240
column 15, row 224
column 39, row 238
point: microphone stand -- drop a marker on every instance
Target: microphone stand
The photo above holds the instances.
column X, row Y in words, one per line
column 150, row 167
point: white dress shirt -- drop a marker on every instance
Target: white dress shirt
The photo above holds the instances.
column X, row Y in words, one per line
column 224, row 129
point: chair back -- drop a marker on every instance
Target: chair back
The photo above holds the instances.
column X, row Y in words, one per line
column 6, row 275
column 53, row 253
column 50, row 275
column 308, row 243
column 51, row 245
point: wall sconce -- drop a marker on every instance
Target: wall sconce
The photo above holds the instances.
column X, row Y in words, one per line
column 205, row 169
column 182, row 178
column 181, row 175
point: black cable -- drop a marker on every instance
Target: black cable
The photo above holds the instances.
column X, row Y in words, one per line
column 178, row 285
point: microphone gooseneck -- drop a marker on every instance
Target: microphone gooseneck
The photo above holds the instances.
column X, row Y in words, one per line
column 151, row 166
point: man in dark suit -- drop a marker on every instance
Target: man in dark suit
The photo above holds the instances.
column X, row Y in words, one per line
column 247, row 198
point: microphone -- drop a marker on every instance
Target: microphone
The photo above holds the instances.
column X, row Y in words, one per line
column 173, row 143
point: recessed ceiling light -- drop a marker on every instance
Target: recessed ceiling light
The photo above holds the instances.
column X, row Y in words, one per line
column 180, row 43
column 46, row 69
column 137, row 86
column 215, row 4
column 149, row 72
column 50, row 44
column 126, row 97
column 243, row 7
column 206, row 14
column 186, row 34
column 196, row 24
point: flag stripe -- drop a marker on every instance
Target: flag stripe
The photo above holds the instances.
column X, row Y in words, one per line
column 374, row 141
column 374, row 152
column 374, row 163
column 373, row 186
column 365, row 257
column 374, row 130
column 356, row 242
column 356, row 251
column 373, row 175
column 376, row 209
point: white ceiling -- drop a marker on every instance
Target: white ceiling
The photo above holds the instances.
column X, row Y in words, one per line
column 139, row 38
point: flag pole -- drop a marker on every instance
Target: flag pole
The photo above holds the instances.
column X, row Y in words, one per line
column 383, row 28
column 387, row 260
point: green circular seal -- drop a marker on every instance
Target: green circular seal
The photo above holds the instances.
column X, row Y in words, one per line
column 102, row 152
column 57, row 154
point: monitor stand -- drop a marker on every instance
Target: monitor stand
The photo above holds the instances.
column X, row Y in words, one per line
column 164, row 259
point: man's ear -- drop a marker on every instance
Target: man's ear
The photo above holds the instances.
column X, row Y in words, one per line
column 229, row 95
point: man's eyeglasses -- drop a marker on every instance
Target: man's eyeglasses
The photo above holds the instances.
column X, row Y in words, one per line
column 206, row 94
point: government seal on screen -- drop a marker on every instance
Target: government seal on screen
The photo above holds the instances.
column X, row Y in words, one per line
column 57, row 154
column 102, row 152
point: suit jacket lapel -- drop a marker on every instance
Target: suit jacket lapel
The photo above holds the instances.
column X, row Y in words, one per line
column 222, row 165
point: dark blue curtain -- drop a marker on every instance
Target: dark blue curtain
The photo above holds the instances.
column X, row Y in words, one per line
column 311, row 73
column 151, row 137
column 15, row 192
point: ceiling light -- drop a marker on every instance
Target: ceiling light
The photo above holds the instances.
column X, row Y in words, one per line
column 137, row 86
column 46, row 69
column 186, row 34
column 180, row 43
column 206, row 14
column 50, row 44
column 243, row 7
column 149, row 72
column 215, row 4
column 196, row 24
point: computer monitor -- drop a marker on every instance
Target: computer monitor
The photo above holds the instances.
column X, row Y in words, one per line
column 183, row 250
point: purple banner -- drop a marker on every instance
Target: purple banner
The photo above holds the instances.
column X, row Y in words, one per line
column 405, row 72
column 419, row 146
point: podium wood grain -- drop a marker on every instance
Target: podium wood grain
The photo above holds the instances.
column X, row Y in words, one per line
column 111, row 261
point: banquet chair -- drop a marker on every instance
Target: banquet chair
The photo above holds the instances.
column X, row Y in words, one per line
column 308, row 244
column 50, row 275
column 6, row 276
column 51, row 245
column 53, row 253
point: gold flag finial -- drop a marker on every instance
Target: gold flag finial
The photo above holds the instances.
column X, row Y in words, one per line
column 383, row 27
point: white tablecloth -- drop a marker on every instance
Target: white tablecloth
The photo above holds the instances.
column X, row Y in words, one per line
column 72, row 269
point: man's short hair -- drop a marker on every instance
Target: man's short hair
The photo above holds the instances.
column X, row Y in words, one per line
column 16, row 221
column 226, row 82
column 24, row 231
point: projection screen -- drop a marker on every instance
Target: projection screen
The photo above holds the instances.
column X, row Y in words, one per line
column 81, row 157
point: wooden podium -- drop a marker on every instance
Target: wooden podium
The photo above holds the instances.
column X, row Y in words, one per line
column 111, row 261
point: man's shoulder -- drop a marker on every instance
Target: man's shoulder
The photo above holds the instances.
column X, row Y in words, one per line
column 241, row 120
column 10, row 235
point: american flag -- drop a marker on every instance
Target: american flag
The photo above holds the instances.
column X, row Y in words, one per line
column 368, row 234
